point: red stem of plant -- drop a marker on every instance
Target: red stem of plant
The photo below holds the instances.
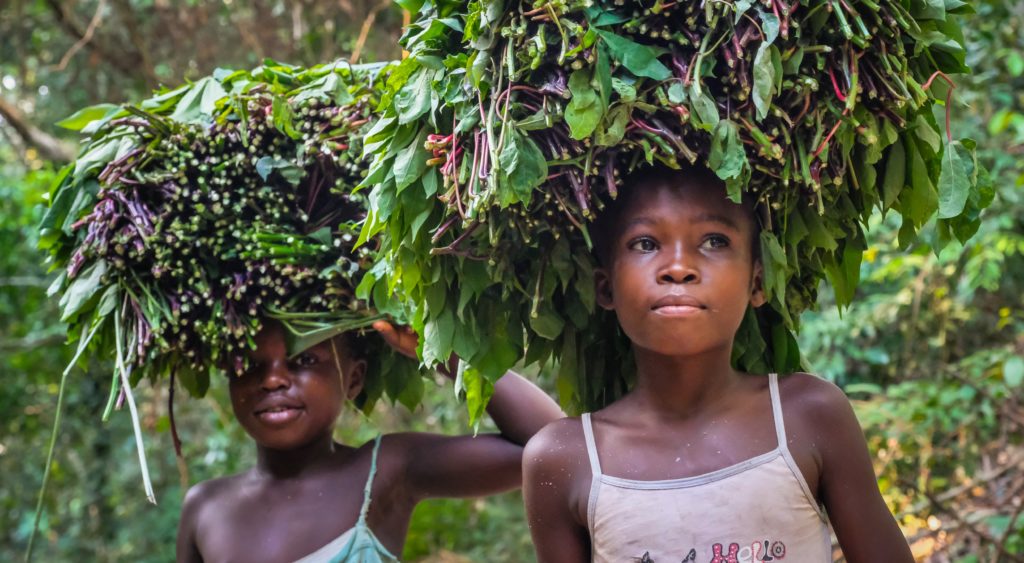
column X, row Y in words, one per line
column 835, row 85
column 831, row 134
column 949, row 98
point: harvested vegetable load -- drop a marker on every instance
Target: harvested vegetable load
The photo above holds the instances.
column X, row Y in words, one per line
column 190, row 218
column 511, row 124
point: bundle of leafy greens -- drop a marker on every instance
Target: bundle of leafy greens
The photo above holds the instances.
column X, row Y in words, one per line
column 190, row 219
column 512, row 122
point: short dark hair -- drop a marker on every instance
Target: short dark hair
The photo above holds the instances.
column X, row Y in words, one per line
column 608, row 225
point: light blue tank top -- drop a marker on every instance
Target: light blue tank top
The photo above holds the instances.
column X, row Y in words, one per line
column 357, row 544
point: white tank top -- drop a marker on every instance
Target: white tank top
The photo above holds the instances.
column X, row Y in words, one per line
column 758, row 510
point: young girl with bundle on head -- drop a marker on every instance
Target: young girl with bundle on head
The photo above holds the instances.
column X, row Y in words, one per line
column 312, row 499
column 215, row 232
column 700, row 462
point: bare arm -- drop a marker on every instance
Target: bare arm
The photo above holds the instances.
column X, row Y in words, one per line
column 519, row 408
column 555, row 470
column 847, row 486
column 462, row 466
column 459, row 466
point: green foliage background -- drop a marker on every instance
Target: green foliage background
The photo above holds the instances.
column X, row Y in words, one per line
column 932, row 349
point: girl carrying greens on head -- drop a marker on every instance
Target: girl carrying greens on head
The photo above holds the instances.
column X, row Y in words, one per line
column 211, row 228
column 723, row 159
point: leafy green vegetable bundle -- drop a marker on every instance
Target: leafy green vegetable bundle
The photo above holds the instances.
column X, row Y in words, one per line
column 512, row 123
column 191, row 218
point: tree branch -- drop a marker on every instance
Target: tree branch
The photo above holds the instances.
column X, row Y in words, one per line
column 30, row 342
column 49, row 147
column 126, row 62
column 86, row 37
column 25, row 281
column 364, row 32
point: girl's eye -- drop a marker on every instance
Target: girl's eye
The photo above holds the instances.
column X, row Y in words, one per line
column 643, row 244
column 305, row 360
column 716, row 241
column 252, row 367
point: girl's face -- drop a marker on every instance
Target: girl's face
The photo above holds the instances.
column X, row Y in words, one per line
column 288, row 403
column 681, row 269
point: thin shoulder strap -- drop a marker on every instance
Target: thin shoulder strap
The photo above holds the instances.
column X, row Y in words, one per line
column 595, row 471
column 369, row 480
column 780, row 435
column 588, row 435
column 780, row 426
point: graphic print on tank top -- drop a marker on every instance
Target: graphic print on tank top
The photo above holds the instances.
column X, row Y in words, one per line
column 758, row 510
column 768, row 551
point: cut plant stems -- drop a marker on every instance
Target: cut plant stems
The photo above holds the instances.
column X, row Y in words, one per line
column 192, row 217
column 533, row 112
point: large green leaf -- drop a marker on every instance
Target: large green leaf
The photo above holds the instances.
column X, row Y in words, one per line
column 522, row 164
column 764, row 70
column 83, row 117
column 641, row 60
column 728, row 159
column 413, row 100
column 82, row 289
column 957, row 176
column 199, row 102
column 585, row 110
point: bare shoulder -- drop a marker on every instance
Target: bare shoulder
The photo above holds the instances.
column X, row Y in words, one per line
column 812, row 399
column 210, row 494
column 820, row 423
column 204, row 503
column 558, row 444
column 556, row 471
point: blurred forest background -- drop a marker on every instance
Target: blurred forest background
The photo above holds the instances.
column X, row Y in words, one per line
column 932, row 351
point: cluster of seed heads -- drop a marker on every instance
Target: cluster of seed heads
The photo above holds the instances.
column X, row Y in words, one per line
column 205, row 242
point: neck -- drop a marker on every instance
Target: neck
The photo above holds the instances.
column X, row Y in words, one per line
column 296, row 462
column 683, row 386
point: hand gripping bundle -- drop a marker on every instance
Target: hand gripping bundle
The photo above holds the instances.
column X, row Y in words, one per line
column 191, row 218
column 512, row 122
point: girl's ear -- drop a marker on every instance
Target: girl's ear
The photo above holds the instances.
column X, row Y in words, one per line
column 352, row 373
column 757, row 285
column 355, row 379
column 603, row 289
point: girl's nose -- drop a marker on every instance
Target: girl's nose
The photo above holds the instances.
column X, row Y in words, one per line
column 678, row 269
column 276, row 377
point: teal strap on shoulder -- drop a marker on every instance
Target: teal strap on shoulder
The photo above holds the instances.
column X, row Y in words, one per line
column 369, row 480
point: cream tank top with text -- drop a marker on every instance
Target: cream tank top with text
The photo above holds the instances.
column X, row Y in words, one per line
column 757, row 510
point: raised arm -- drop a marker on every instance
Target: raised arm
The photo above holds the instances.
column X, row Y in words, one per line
column 847, row 486
column 461, row 466
column 520, row 408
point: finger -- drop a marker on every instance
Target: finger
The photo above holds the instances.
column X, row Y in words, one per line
column 387, row 332
column 402, row 339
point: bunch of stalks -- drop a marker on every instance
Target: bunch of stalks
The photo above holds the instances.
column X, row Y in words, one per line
column 519, row 120
column 192, row 217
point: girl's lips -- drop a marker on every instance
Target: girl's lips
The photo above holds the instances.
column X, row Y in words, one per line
column 676, row 305
column 678, row 311
column 279, row 415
